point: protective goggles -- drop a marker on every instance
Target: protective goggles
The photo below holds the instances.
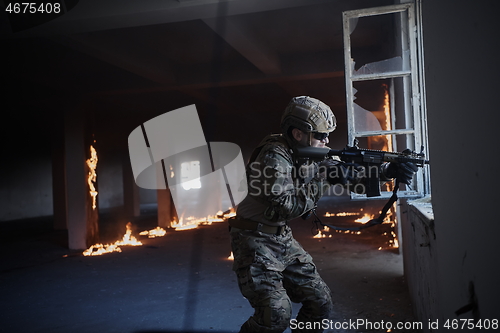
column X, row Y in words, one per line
column 320, row 136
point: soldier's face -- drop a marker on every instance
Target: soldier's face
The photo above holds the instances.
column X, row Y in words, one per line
column 307, row 139
column 318, row 143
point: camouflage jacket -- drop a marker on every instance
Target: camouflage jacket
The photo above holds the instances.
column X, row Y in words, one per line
column 279, row 189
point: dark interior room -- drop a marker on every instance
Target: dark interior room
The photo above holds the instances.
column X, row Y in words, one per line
column 86, row 247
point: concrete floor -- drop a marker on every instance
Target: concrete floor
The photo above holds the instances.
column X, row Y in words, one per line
column 181, row 282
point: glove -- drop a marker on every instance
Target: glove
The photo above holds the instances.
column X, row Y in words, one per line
column 401, row 171
column 336, row 172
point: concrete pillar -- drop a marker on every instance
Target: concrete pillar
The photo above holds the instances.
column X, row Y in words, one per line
column 131, row 198
column 59, row 174
column 166, row 209
column 82, row 218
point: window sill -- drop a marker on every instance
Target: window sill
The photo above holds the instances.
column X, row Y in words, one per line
column 422, row 207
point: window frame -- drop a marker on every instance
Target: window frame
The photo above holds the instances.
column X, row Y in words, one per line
column 414, row 104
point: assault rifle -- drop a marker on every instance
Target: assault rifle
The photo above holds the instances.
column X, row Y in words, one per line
column 369, row 159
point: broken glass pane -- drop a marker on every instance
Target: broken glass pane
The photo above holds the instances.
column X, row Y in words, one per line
column 379, row 105
column 364, row 120
column 379, row 43
column 386, row 142
column 353, row 23
column 395, row 64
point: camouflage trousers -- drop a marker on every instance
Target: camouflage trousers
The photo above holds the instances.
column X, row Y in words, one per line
column 273, row 271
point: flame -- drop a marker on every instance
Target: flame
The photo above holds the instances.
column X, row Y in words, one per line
column 185, row 227
column 157, row 232
column 219, row 217
column 395, row 242
column 230, row 214
column 127, row 240
column 91, row 179
column 383, row 142
column 387, row 116
column 231, row 256
column 192, row 222
column 99, row 249
column 319, row 235
column 341, row 214
column 183, row 224
column 365, row 218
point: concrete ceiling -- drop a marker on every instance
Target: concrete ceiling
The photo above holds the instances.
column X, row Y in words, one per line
column 126, row 61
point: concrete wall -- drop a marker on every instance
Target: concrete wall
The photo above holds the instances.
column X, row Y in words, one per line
column 461, row 68
column 26, row 189
column 26, row 186
column 26, row 174
column 110, row 179
column 420, row 259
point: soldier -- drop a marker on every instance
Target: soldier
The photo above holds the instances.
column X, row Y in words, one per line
column 271, row 266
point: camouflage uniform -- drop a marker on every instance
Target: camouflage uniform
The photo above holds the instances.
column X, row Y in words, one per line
column 273, row 268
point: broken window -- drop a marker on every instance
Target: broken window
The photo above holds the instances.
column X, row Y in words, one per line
column 190, row 175
column 384, row 84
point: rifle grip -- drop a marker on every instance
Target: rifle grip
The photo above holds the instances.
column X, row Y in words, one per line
column 372, row 186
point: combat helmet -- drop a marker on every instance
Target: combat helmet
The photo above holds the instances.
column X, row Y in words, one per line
column 309, row 115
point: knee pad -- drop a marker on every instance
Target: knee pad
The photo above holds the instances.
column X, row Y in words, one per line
column 273, row 317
